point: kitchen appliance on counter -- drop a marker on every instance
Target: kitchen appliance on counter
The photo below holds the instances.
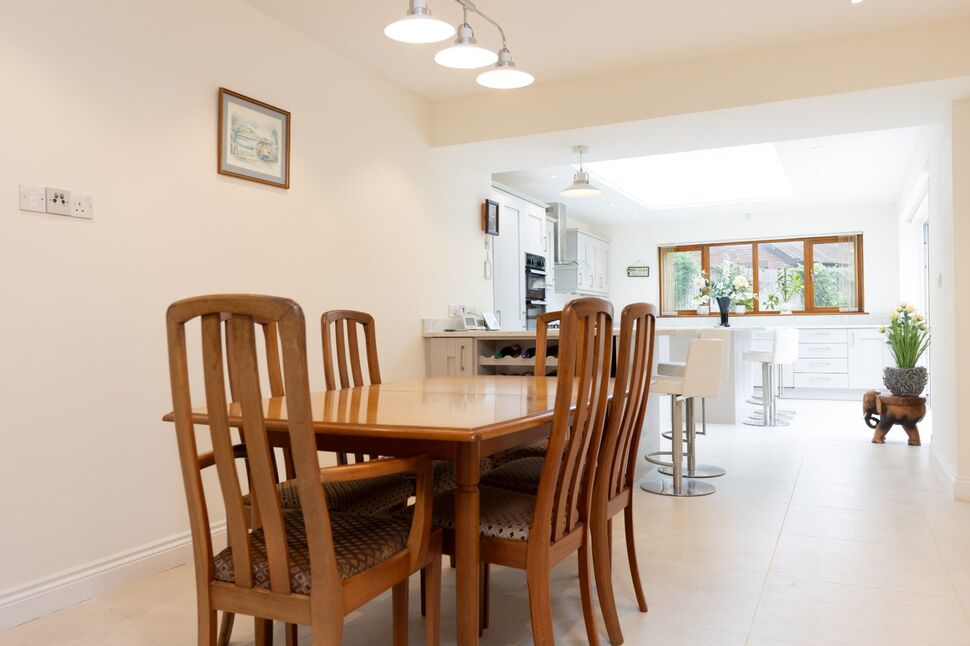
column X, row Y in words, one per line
column 535, row 289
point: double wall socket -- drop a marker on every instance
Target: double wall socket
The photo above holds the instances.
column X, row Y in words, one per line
column 58, row 201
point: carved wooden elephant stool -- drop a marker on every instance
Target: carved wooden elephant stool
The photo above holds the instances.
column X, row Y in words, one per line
column 883, row 410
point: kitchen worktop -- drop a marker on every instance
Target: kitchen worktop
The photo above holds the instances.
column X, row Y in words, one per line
column 661, row 330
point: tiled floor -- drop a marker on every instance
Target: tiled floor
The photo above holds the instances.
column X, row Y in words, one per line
column 815, row 536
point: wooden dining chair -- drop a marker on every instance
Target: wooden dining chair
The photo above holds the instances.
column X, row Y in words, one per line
column 613, row 483
column 369, row 496
column 341, row 346
column 310, row 566
column 535, row 532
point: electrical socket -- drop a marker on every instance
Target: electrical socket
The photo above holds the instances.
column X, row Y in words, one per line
column 58, row 201
column 82, row 206
column 33, row 198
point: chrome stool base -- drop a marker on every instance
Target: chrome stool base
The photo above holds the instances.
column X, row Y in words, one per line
column 760, row 421
column 688, row 488
column 699, row 471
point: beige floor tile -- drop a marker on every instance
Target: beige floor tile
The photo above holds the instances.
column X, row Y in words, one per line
column 890, row 528
column 820, row 494
column 874, row 565
column 815, row 612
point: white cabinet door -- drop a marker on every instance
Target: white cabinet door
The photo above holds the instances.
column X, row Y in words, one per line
column 445, row 357
column 866, row 359
column 602, row 265
column 532, row 221
column 508, row 274
column 549, row 245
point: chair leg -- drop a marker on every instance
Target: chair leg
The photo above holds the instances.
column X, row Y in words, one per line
column 399, row 603
column 423, row 577
column 540, row 606
column 431, row 599
column 483, row 606
column 225, row 628
column 292, row 634
column 264, row 632
column 207, row 627
column 631, row 552
column 603, row 572
column 586, row 593
column 609, row 540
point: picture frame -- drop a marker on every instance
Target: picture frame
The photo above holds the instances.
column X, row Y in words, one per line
column 254, row 140
column 638, row 271
column 490, row 217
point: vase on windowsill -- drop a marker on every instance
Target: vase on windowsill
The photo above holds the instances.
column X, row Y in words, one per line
column 703, row 310
column 740, row 309
column 724, row 305
column 786, row 308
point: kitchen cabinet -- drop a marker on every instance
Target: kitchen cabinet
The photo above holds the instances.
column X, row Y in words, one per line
column 867, row 358
column 447, row 357
column 532, row 229
column 584, row 269
column 549, row 251
column 508, row 262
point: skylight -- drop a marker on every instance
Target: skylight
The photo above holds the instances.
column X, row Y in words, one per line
column 703, row 177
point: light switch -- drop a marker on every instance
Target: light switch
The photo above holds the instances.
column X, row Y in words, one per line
column 33, row 198
column 58, row 201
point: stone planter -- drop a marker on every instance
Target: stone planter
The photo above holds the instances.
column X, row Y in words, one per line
column 740, row 309
column 786, row 308
column 905, row 382
column 703, row 310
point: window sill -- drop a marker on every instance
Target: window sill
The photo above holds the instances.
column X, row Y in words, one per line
column 695, row 315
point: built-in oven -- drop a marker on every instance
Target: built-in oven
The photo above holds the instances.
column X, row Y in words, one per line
column 535, row 289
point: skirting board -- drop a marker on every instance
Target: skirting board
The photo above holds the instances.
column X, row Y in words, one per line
column 52, row 593
column 960, row 487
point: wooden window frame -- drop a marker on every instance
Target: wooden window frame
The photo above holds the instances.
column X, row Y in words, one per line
column 808, row 243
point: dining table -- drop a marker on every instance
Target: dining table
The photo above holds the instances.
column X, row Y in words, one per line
column 457, row 418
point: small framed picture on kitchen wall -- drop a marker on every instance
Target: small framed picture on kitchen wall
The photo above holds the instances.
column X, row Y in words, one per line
column 490, row 217
column 254, row 140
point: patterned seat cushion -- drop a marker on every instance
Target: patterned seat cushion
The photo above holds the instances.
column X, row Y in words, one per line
column 360, row 543
column 367, row 496
column 521, row 475
column 537, row 450
column 445, row 475
column 503, row 513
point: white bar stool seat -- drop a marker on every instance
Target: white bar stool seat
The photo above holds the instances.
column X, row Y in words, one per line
column 702, row 378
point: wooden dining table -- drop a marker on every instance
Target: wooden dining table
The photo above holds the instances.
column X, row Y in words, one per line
column 449, row 418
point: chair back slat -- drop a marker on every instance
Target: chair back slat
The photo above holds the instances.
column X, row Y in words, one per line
column 242, row 313
column 262, row 463
column 585, row 358
column 343, row 344
column 542, row 336
column 222, row 447
column 631, row 391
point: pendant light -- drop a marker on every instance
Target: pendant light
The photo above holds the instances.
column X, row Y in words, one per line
column 504, row 76
column 465, row 54
column 418, row 27
column 580, row 186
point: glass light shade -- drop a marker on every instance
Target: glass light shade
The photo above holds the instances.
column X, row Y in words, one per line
column 465, row 56
column 419, row 29
column 580, row 187
column 505, row 77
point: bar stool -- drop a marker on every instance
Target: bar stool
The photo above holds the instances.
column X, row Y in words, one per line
column 702, row 378
column 784, row 350
column 676, row 369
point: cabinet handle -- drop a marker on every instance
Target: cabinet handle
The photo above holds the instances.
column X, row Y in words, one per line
column 461, row 358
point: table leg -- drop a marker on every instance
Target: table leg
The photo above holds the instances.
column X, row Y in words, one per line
column 467, row 473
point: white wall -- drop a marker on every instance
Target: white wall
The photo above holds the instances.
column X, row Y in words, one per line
column 637, row 244
column 118, row 100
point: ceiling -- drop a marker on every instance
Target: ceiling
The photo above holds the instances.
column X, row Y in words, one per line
column 859, row 169
column 559, row 39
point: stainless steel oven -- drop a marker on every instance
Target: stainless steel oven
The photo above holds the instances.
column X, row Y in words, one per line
column 535, row 289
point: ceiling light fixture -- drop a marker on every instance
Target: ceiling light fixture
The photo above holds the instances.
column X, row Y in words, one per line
column 418, row 27
column 580, row 186
column 504, row 76
column 465, row 54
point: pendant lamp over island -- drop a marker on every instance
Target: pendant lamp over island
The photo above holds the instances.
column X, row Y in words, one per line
column 580, row 186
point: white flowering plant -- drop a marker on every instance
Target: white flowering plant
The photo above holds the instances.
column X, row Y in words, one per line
column 907, row 335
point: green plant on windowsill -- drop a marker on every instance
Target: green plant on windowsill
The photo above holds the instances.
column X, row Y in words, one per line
column 771, row 302
column 791, row 282
column 908, row 337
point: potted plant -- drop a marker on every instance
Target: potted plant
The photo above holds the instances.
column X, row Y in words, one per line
column 730, row 286
column 771, row 302
column 703, row 297
column 907, row 336
column 790, row 282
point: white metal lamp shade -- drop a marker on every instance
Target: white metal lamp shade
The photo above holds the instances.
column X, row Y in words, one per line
column 419, row 27
column 465, row 54
column 505, row 76
column 580, row 187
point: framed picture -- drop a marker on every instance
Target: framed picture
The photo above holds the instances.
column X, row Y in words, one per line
column 638, row 271
column 254, row 140
column 490, row 217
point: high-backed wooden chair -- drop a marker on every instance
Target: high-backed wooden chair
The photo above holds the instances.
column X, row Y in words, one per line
column 535, row 532
column 615, row 473
column 309, row 566
column 341, row 344
column 542, row 339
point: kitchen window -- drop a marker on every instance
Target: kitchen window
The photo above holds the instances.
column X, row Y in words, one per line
column 812, row 275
